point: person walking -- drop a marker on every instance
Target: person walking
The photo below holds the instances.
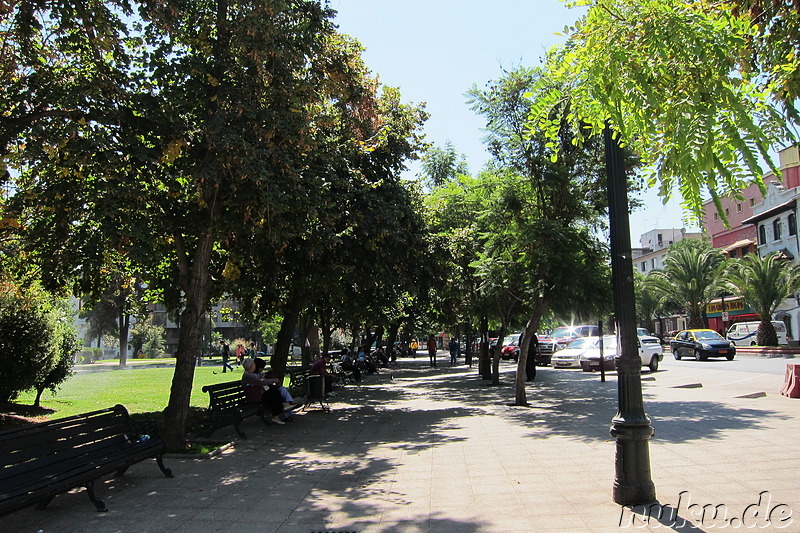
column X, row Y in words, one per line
column 453, row 351
column 226, row 355
column 432, row 350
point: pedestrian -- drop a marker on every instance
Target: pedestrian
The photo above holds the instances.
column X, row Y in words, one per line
column 414, row 347
column 453, row 351
column 432, row 350
column 226, row 355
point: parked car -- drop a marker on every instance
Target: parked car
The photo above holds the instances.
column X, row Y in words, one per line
column 701, row 344
column 744, row 333
column 649, row 350
column 510, row 348
column 570, row 357
column 560, row 338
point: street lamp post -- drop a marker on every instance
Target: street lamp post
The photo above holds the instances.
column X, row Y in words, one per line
column 631, row 426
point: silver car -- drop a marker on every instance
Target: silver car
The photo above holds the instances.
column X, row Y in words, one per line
column 570, row 357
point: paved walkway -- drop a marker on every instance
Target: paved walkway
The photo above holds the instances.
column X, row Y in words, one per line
column 439, row 450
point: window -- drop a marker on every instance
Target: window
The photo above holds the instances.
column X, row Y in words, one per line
column 792, row 224
column 776, row 229
column 752, row 202
column 653, row 263
column 716, row 216
column 644, row 266
column 727, row 211
column 762, row 235
column 739, row 207
column 733, row 253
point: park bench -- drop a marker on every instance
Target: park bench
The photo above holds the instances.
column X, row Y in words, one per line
column 313, row 388
column 298, row 381
column 39, row 461
column 228, row 405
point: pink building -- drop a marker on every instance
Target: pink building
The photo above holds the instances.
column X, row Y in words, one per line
column 737, row 239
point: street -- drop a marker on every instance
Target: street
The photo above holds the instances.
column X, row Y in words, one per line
column 741, row 363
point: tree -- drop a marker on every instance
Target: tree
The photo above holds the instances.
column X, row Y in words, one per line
column 65, row 345
column 440, row 165
column 668, row 77
column 148, row 338
column 546, row 213
column 33, row 339
column 693, row 275
column 765, row 283
column 650, row 302
column 102, row 320
column 191, row 127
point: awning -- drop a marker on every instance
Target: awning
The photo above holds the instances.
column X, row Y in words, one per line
column 739, row 244
column 777, row 210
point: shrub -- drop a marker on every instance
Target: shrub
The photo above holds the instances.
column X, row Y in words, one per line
column 67, row 344
column 29, row 323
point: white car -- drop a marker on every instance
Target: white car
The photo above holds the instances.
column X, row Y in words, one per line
column 570, row 357
column 650, row 351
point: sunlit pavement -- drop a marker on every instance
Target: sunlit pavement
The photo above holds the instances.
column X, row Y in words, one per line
column 419, row 449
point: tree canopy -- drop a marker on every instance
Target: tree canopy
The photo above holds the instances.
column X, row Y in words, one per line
column 672, row 79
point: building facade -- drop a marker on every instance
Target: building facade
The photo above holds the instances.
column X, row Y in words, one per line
column 758, row 225
column 654, row 246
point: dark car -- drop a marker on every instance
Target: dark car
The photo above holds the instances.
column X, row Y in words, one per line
column 701, row 344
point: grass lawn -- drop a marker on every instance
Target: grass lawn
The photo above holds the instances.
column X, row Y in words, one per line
column 140, row 388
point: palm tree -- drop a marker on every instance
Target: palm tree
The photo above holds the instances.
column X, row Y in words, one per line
column 693, row 275
column 649, row 300
column 765, row 283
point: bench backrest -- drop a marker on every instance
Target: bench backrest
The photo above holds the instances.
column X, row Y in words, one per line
column 225, row 396
column 34, row 450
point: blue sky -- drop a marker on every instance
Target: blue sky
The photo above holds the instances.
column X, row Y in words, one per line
column 435, row 50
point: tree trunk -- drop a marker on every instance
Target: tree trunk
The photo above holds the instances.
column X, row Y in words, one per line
column 192, row 320
column 39, row 391
column 196, row 284
column 496, row 356
column 524, row 352
column 695, row 322
column 284, row 340
column 325, row 315
column 766, row 334
column 394, row 327
column 124, row 328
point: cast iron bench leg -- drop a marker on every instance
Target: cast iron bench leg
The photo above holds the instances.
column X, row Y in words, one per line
column 160, row 461
column 101, row 507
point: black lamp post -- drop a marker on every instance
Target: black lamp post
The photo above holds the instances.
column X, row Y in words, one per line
column 631, row 426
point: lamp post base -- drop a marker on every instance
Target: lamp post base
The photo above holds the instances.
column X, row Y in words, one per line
column 632, row 484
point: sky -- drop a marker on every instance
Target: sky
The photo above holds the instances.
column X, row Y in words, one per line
column 436, row 50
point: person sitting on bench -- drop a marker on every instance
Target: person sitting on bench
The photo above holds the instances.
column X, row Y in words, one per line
column 288, row 401
column 264, row 391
